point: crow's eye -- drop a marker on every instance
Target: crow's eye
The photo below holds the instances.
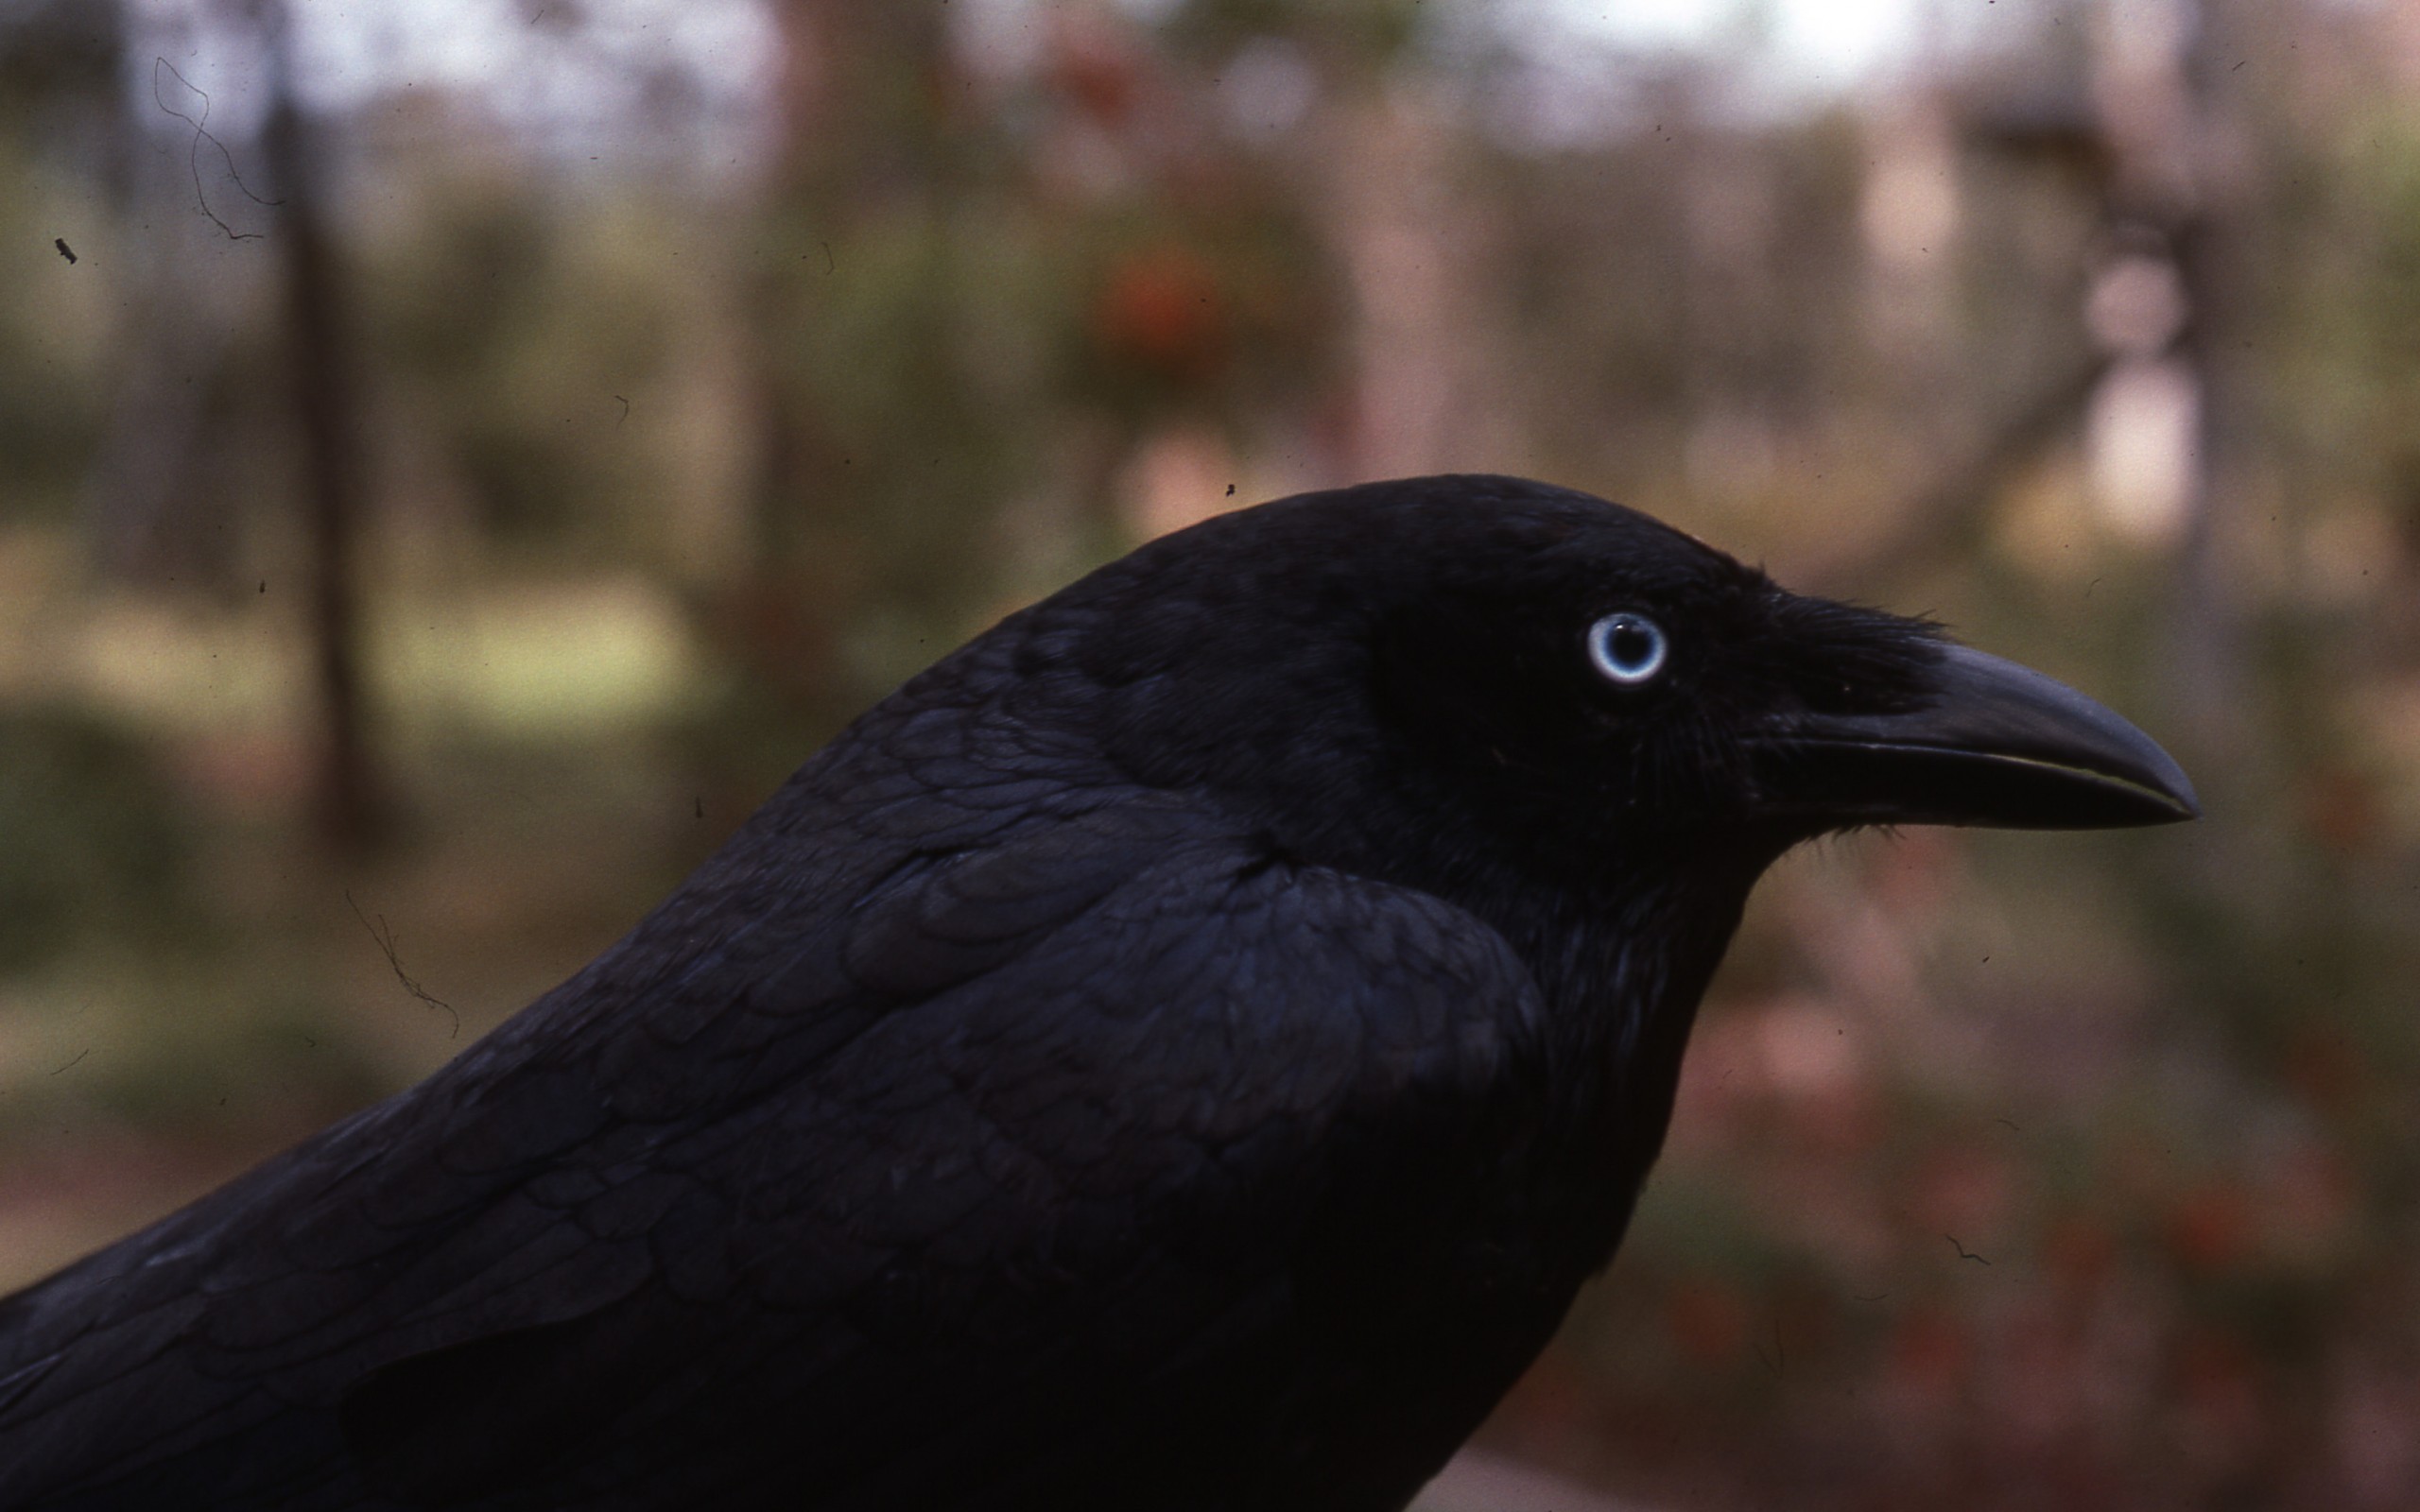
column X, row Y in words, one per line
column 1627, row 648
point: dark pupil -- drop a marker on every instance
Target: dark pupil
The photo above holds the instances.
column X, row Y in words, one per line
column 1631, row 646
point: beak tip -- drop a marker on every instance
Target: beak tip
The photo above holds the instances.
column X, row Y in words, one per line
column 2002, row 746
column 2172, row 786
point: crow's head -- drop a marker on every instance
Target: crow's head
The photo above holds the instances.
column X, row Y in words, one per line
column 1437, row 672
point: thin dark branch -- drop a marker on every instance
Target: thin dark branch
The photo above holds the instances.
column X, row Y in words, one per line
column 385, row 935
column 201, row 133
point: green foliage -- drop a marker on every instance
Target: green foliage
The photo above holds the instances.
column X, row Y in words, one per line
column 512, row 323
column 95, row 848
column 1363, row 36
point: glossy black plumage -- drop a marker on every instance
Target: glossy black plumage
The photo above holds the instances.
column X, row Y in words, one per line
column 1185, row 1050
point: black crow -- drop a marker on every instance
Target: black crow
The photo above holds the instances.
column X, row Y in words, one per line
column 1184, row 1051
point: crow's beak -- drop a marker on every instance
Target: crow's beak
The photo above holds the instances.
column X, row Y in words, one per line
column 2000, row 745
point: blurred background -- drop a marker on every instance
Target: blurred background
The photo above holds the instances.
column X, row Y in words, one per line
column 460, row 454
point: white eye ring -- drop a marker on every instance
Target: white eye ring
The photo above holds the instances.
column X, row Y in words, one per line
column 1628, row 648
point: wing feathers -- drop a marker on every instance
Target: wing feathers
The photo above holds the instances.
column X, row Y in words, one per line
column 1031, row 1120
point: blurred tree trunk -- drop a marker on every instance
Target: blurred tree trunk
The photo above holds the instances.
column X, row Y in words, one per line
column 2213, row 243
column 855, row 123
column 1423, row 389
column 2169, row 101
column 323, row 367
